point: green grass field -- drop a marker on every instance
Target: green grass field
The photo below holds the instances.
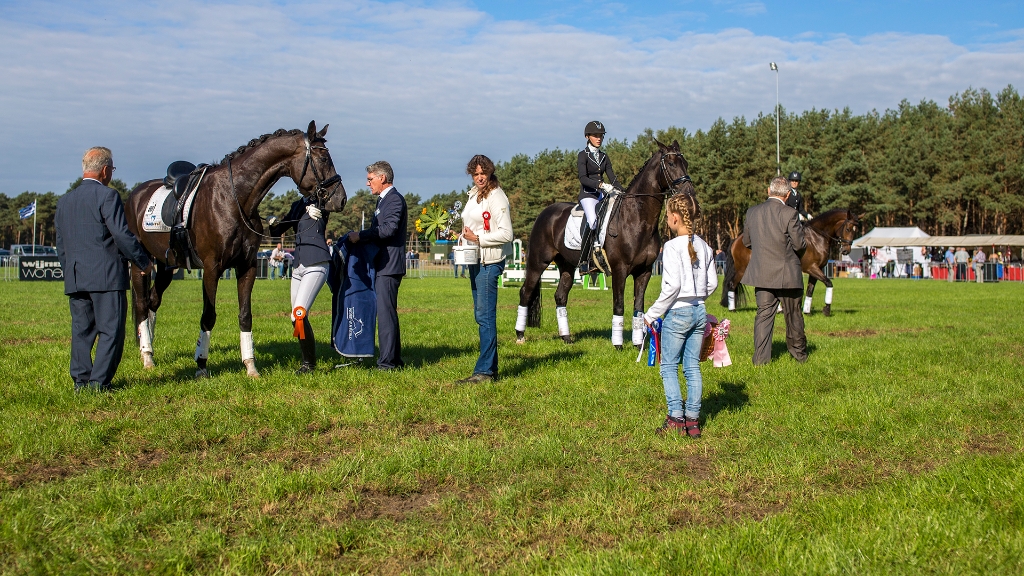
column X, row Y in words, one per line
column 895, row 449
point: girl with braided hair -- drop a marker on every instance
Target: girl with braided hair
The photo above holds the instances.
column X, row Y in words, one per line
column 689, row 277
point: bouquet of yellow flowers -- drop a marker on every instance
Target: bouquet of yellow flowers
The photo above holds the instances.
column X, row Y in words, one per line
column 437, row 220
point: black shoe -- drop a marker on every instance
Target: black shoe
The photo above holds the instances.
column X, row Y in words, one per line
column 307, row 346
column 672, row 425
column 476, row 379
column 305, row 368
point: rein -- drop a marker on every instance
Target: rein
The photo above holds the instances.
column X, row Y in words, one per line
column 671, row 188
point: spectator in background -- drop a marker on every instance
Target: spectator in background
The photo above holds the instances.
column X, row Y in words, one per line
column 961, row 257
column 978, row 263
column 950, row 264
column 277, row 262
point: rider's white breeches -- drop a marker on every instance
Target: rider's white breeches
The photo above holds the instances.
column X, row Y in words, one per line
column 590, row 209
column 306, row 284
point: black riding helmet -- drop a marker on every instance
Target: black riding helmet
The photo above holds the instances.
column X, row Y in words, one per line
column 594, row 127
column 794, row 176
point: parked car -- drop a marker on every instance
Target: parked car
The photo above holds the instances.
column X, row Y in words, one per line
column 5, row 256
column 30, row 250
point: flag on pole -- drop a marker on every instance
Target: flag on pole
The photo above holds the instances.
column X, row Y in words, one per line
column 27, row 211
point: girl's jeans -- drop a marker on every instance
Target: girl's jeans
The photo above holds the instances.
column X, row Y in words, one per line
column 682, row 334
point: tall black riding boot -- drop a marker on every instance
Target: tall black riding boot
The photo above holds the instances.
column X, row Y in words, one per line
column 308, row 347
column 586, row 248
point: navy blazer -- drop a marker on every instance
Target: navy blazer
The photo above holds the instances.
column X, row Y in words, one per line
column 94, row 244
column 388, row 230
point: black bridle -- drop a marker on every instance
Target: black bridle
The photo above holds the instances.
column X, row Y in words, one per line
column 321, row 193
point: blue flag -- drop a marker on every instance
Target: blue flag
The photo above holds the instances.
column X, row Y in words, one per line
column 28, row 211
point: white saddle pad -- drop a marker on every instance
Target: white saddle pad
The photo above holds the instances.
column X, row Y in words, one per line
column 152, row 220
column 572, row 238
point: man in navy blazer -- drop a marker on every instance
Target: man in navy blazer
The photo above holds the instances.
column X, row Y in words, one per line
column 387, row 230
column 94, row 247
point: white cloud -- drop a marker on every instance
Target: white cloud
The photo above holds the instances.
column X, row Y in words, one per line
column 423, row 87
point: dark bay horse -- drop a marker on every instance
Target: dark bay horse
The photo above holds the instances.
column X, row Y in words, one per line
column 632, row 244
column 839, row 226
column 226, row 228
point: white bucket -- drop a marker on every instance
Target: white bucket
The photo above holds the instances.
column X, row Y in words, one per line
column 466, row 254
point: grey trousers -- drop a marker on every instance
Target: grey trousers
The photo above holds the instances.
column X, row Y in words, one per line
column 768, row 300
column 97, row 317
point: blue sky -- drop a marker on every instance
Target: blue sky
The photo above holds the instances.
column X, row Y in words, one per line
column 426, row 85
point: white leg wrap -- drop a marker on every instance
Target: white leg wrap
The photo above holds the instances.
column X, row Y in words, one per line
column 828, row 296
column 807, row 305
column 246, row 345
column 732, row 300
column 563, row 320
column 638, row 330
column 145, row 337
column 617, row 323
column 521, row 318
column 152, row 325
column 203, row 345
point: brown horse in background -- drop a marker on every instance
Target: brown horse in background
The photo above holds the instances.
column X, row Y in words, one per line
column 632, row 244
column 226, row 227
column 839, row 226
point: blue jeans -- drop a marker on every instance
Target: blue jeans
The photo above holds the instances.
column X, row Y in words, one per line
column 682, row 334
column 483, row 279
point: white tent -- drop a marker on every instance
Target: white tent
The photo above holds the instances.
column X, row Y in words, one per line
column 883, row 236
column 887, row 240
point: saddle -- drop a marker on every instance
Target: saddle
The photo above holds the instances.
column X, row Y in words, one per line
column 605, row 210
column 183, row 179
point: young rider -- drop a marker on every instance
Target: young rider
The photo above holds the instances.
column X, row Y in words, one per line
column 309, row 270
column 592, row 164
column 689, row 277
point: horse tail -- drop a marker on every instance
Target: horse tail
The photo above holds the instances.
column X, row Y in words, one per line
column 534, row 307
column 728, row 282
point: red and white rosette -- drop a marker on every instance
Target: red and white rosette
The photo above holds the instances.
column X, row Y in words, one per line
column 487, row 221
column 300, row 327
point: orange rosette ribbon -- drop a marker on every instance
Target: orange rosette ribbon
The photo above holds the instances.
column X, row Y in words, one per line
column 300, row 326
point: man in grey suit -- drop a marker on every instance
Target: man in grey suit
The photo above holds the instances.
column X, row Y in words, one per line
column 388, row 231
column 94, row 247
column 773, row 232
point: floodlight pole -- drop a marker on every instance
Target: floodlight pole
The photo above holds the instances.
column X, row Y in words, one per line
column 778, row 157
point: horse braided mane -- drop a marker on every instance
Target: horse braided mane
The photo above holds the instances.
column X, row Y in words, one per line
column 258, row 141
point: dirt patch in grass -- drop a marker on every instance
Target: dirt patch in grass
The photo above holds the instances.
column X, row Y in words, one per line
column 990, row 445
column 427, row 430
column 24, row 473
column 36, row 340
column 867, row 332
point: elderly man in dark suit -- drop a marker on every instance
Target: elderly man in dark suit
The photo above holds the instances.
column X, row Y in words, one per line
column 775, row 236
column 94, row 247
column 387, row 230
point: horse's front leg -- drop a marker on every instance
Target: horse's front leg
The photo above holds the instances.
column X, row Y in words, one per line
column 565, row 281
column 811, row 283
column 246, row 278
column 639, row 290
column 211, row 274
column 618, row 305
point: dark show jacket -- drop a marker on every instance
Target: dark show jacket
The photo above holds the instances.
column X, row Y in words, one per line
column 590, row 172
column 310, row 245
column 94, row 244
column 775, row 236
column 796, row 201
column 388, row 230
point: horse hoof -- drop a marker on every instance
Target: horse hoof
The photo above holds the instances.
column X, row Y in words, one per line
column 147, row 361
column 618, row 347
column 567, row 339
column 521, row 340
column 827, row 311
column 250, row 368
column 202, row 374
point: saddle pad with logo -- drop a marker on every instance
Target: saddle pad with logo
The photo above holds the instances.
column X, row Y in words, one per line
column 161, row 208
column 572, row 238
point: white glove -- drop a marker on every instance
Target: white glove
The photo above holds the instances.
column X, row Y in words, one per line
column 607, row 187
column 314, row 212
column 271, row 220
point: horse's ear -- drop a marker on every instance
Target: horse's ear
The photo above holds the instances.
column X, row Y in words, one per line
column 311, row 130
column 323, row 132
column 660, row 145
column 675, row 145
